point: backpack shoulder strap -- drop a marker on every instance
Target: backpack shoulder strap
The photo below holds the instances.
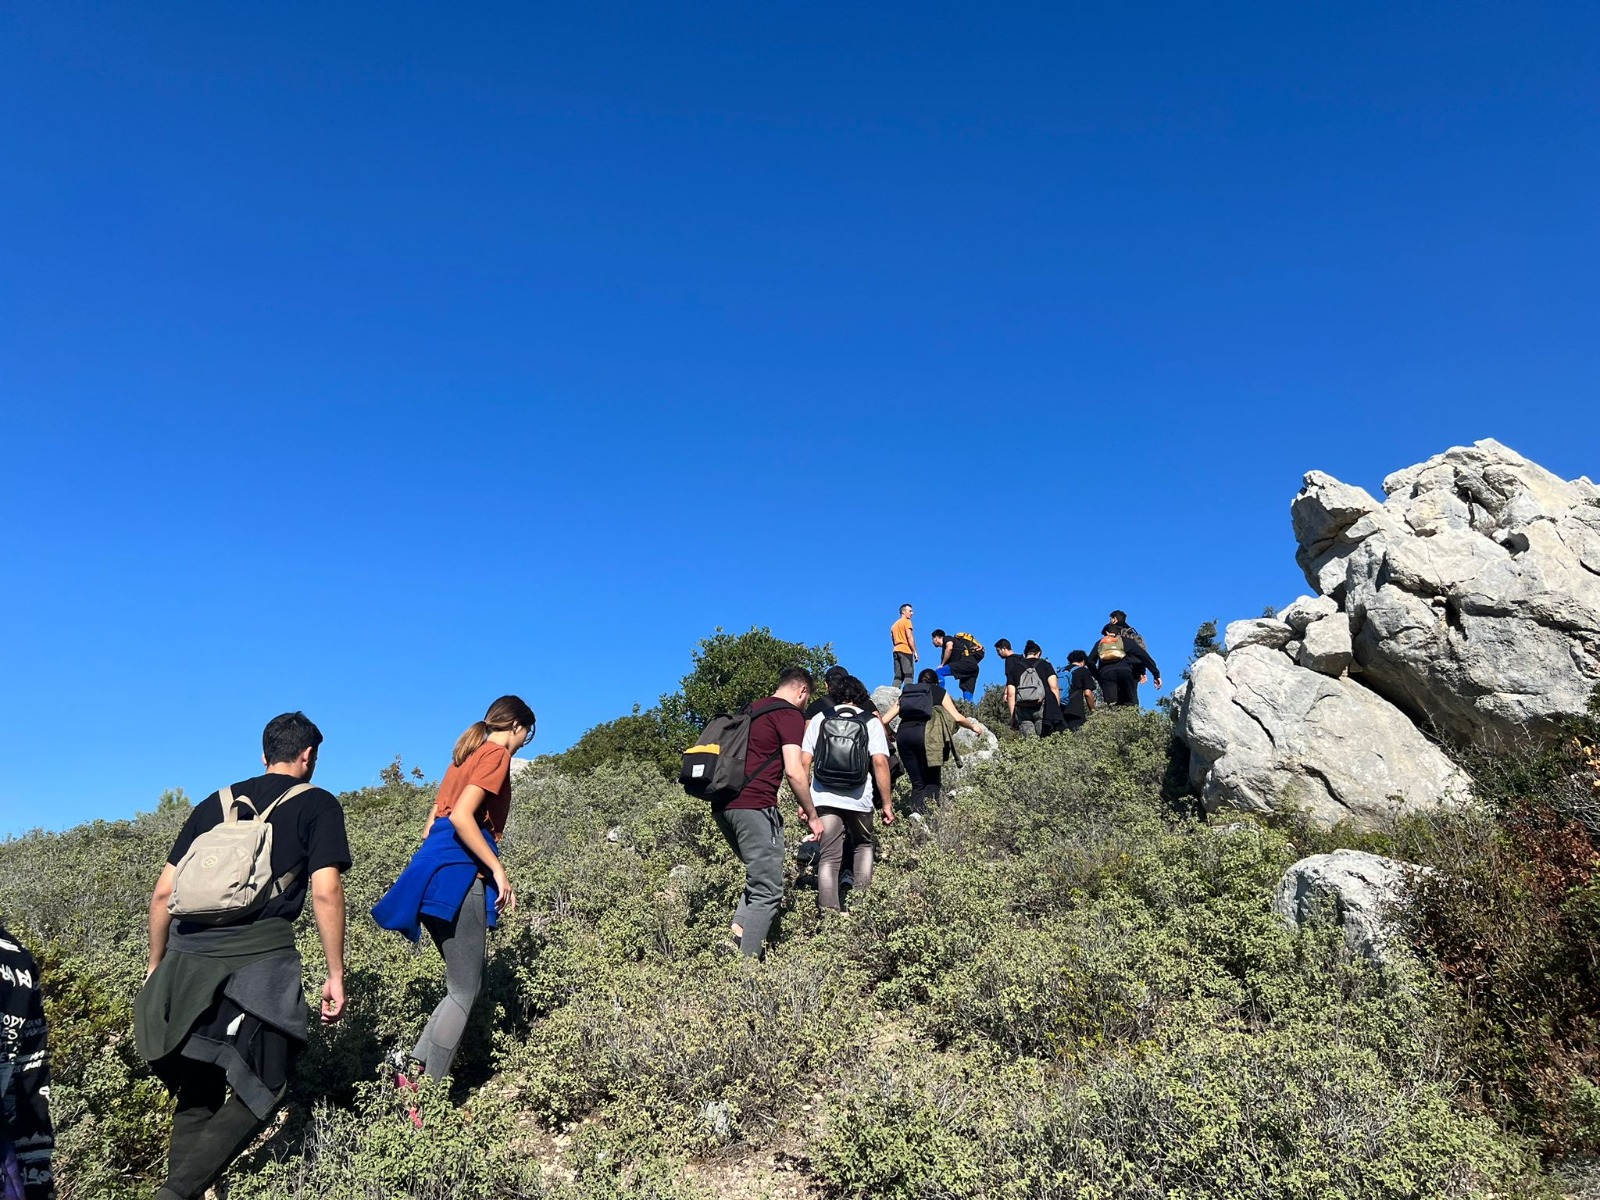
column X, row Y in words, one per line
column 296, row 790
column 230, row 803
column 283, row 882
column 775, row 706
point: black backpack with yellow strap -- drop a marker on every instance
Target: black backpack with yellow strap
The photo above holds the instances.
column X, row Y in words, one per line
column 715, row 767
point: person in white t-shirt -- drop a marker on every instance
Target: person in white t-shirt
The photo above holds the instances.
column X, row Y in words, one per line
column 847, row 753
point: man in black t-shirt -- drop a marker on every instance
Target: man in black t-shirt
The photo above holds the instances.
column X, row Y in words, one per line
column 1079, row 701
column 1120, row 661
column 1026, row 716
column 222, row 1015
column 959, row 661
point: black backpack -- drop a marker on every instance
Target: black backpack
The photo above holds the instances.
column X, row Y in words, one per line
column 916, row 702
column 715, row 768
column 842, row 760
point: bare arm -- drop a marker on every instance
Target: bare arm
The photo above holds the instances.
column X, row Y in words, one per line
column 1055, row 688
column 160, row 918
column 971, row 723
column 1011, row 699
column 800, row 781
column 327, row 901
column 464, row 819
column 880, row 775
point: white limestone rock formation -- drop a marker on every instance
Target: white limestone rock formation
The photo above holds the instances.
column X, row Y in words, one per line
column 1262, row 631
column 1326, row 646
column 1307, row 609
column 1265, row 735
column 1472, row 591
column 1361, row 892
column 975, row 747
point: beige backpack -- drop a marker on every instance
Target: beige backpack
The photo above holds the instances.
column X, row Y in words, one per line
column 227, row 872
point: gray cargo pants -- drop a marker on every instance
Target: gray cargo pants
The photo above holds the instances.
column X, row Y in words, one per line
column 756, row 837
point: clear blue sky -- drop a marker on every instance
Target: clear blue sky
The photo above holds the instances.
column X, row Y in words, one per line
column 377, row 359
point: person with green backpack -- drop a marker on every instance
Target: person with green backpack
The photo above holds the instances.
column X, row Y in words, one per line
column 1120, row 660
column 962, row 654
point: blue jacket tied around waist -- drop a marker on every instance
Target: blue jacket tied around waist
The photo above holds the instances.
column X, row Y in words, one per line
column 434, row 883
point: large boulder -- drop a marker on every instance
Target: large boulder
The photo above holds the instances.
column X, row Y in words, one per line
column 1360, row 892
column 885, row 698
column 1265, row 735
column 1473, row 590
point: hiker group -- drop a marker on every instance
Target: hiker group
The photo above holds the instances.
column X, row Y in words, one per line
column 1037, row 700
column 222, row 1017
column 840, row 755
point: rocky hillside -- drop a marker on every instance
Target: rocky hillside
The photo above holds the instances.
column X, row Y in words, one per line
column 1464, row 611
column 1367, row 971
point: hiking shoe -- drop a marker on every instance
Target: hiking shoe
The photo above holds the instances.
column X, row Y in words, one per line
column 406, row 1069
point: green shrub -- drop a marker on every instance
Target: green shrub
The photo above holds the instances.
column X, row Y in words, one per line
column 1058, row 985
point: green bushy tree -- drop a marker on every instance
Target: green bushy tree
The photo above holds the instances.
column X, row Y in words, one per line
column 730, row 670
column 649, row 736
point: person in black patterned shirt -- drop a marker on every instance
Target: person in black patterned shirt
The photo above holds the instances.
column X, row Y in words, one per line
column 27, row 1138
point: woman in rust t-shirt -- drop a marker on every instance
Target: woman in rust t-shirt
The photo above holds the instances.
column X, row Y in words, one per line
column 455, row 885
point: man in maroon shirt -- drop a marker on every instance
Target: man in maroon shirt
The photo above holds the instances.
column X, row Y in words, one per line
column 751, row 821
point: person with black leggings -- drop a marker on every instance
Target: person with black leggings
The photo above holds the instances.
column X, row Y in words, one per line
column 915, row 709
column 1120, row 660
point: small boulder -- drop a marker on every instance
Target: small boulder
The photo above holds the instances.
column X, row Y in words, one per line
column 1326, row 648
column 1306, row 610
column 973, row 747
column 1359, row 891
column 1262, row 631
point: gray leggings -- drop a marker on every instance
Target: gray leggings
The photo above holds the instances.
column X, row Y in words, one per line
column 838, row 826
column 461, row 942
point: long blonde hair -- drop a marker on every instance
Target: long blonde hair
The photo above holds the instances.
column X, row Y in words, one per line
column 502, row 715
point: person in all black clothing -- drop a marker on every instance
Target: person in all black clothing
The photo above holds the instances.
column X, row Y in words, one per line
column 1032, row 719
column 1120, row 659
column 1078, row 700
column 914, row 709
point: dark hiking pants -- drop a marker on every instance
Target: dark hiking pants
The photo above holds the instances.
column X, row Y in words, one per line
column 1119, row 683
column 210, row 1129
